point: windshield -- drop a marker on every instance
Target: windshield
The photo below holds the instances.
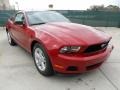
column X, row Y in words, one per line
column 41, row 17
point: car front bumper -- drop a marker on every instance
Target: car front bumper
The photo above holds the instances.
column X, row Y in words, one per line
column 66, row 64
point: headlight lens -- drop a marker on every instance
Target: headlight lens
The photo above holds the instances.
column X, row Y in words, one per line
column 70, row 49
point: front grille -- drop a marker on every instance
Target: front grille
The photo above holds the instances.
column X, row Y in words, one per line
column 97, row 47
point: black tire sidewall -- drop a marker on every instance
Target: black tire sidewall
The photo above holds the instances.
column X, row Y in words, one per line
column 12, row 43
column 48, row 70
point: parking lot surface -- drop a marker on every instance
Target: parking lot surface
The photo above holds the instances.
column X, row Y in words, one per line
column 17, row 70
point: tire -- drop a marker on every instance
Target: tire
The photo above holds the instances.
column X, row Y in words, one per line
column 10, row 40
column 42, row 61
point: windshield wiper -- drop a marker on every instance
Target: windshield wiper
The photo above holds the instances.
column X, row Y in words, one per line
column 38, row 23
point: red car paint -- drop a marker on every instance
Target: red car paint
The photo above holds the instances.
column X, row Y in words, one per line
column 54, row 36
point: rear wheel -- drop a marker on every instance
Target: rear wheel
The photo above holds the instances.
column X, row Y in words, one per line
column 42, row 60
column 10, row 40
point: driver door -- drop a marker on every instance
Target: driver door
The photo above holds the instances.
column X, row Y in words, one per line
column 20, row 31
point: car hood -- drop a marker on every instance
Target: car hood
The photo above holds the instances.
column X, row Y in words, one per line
column 73, row 34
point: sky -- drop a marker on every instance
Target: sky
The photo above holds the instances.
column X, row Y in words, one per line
column 60, row 4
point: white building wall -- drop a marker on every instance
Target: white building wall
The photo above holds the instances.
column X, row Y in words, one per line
column 4, row 5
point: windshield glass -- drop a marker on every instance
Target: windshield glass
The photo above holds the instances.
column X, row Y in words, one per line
column 41, row 17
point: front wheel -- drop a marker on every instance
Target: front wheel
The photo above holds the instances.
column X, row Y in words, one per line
column 10, row 40
column 42, row 60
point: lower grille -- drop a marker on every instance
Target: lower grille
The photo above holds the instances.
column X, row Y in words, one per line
column 93, row 66
column 97, row 47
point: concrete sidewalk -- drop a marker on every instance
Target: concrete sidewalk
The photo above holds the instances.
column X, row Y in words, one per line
column 17, row 70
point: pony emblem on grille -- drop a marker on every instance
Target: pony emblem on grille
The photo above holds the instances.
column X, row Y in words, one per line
column 103, row 45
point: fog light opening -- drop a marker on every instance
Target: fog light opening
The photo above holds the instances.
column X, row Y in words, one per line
column 72, row 68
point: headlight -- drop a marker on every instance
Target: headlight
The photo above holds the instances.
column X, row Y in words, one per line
column 70, row 49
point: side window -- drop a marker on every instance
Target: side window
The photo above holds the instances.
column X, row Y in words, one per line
column 19, row 17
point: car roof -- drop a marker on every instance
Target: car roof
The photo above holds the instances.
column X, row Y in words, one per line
column 34, row 11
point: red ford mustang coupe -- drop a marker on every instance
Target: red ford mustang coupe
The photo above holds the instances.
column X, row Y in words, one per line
column 56, row 44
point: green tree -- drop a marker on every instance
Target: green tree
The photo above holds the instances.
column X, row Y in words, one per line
column 112, row 8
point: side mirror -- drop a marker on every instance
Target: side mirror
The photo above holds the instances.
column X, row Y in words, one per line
column 12, row 18
column 19, row 22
